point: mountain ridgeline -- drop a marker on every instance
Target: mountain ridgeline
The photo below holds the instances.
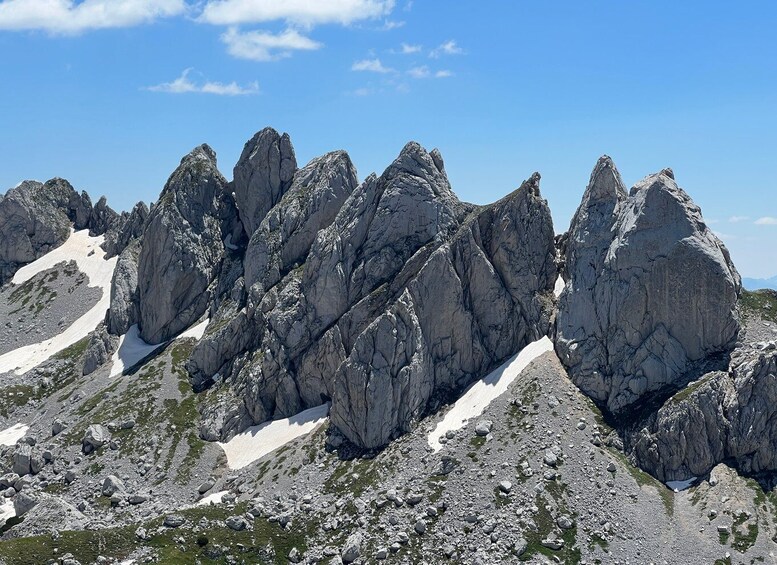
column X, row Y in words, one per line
column 388, row 297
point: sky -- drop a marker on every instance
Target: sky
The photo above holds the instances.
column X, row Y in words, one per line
column 110, row 94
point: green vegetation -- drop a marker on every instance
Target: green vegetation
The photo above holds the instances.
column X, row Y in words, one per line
column 568, row 554
column 686, row 393
column 761, row 303
column 267, row 543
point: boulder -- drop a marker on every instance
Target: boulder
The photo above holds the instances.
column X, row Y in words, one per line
column 95, row 437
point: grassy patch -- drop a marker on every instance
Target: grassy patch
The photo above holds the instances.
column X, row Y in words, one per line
column 761, row 304
column 267, row 543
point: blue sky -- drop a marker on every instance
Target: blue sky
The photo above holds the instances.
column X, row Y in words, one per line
column 110, row 94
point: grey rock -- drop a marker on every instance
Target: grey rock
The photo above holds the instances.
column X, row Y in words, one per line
column 111, row 485
column 182, row 248
column 128, row 227
column 352, row 548
column 174, row 521
column 33, row 221
column 483, row 427
column 27, row 461
column 102, row 218
column 730, row 414
column 95, row 437
column 262, row 176
column 99, row 350
column 634, row 318
column 57, row 426
column 124, row 310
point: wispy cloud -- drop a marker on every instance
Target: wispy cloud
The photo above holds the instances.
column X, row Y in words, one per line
column 448, row 48
column 766, row 221
column 265, row 46
column 371, row 65
column 388, row 25
column 424, row 72
column 407, row 49
column 71, row 17
column 184, row 84
column 298, row 12
column 738, row 219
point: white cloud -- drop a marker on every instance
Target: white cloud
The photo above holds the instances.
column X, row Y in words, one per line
column 183, row 84
column 766, row 221
column 70, row 17
column 265, row 46
column 737, row 219
column 371, row 65
column 447, row 48
column 300, row 12
column 419, row 72
column 424, row 72
column 388, row 25
column 406, row 49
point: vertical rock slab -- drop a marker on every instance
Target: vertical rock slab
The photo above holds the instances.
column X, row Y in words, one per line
column 182, row 248
column 262, row 176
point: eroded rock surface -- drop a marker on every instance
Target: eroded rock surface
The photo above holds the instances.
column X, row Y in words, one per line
column 651, row 291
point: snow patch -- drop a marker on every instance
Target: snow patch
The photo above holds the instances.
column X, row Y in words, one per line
column 559, row 288
column 477, row 397
column 214, row 498
column 196, row 331
column 7, row 510
column 131, row 350
column 678, row 486
column 10, row 436
column 88, row 255
column 228, row 243
column 258, row 441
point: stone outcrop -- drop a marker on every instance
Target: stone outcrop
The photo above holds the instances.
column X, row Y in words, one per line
column 99, row 350
column 182, row 247
column 127, row 228
column 723, row 417
column 262, row 176
column 124, row 311
column 383, row 298
column 37, row 217
column 650, row 294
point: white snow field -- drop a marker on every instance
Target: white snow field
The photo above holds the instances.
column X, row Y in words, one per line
column 132, row 349
column 86, row 252
column 258, row 441
column 11, row 435
column 478, row 396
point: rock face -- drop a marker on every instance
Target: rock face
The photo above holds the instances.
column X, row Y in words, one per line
column 98, row 352
column 651, row 292
column 35, row 218
column 127, row 228
column 723, row 417
column 182, row 248
column 124, row 310
column 383, row 297
column 262, row 176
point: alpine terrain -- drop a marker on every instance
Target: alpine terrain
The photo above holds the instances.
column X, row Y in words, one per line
column 299, row 366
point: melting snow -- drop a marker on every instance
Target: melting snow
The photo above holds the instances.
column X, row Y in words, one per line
column 7, row 510
column 479, row 395
column 677, row 486
column 88, row 255
column 130, row 351
column 258, row 441
column 13, row 434
column 214, row 498
column 559, row 288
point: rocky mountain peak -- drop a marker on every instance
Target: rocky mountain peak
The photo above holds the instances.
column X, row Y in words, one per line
column 262, row 176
